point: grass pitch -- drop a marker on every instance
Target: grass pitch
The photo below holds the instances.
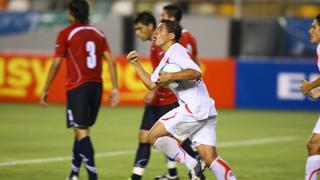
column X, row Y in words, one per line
column 258, row 144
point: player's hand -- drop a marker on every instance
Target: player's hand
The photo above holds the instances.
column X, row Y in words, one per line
column 133, row 57
column 44, row 98
column 114, row 97
column 314, row 94
column 304, row 88
column 164, row 77
column 148, row 98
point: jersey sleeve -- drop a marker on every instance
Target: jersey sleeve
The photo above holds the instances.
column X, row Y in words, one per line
column 105, row 45
column 184, row 61
column 155, row 74
column 61, row 45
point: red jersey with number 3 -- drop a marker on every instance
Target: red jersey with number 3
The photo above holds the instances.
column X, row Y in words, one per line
column 82, row 45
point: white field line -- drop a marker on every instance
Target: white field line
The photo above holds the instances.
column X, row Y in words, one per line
column 248, row 142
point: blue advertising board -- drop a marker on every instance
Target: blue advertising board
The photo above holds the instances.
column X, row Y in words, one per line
column 14, row 22
column 297, row 40
column 274, row 83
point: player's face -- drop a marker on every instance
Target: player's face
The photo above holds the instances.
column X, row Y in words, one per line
column 314, row 32
column 144, row 32
column 165, row 16
column 162, row 36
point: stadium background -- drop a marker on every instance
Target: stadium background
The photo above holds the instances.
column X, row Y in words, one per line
column 254, row 54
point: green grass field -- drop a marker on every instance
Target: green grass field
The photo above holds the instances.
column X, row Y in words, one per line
column 259, row 145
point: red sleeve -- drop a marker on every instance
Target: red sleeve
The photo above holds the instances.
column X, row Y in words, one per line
column 188, row 41
column 61, row 45
column 194, row 44
column 105, row 45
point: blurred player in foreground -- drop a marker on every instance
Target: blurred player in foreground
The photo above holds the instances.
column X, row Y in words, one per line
column 195, row 117
column 83, row 47
column 310, row 89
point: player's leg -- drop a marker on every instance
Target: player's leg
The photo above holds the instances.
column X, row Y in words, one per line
column 205, row 141
column 160, row 138
column 87, row 151
column 71, row 112
column 172, row 172
column 76, row 159
column 83, row 106
column 144, row 148
column 93, row 95
column 179, row 124
column 313, row 160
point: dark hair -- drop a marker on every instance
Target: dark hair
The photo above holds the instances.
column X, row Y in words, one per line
column 173, row 27
column 318, row 19
column 79, row 10
column 174, row 11
column 145, row 18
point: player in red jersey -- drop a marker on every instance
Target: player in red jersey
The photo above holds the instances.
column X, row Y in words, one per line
column 157, row 103
column 83, row 47
column 187, row 40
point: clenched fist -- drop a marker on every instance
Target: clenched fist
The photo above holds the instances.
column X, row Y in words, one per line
column 133, row 56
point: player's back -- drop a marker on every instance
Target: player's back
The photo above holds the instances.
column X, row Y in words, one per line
column 84, row 49
column 188, row 41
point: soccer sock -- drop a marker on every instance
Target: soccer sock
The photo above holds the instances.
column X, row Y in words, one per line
column 87, row 154
column 141, row 161
column 172, row 167
column 76, row 159
column 186, row 145
column 312, row 167
column 170, row 147
column 222, row 170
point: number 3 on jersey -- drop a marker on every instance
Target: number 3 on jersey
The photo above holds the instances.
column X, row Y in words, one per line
column 91, row 59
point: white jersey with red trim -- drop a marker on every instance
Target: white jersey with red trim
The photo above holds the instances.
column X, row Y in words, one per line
column 192, row 94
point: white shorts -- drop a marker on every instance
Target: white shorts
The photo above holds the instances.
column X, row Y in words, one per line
column 316, row 129
column 182, row 125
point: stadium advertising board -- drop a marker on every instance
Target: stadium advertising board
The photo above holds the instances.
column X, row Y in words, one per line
column 22, row 78
column 274, row 84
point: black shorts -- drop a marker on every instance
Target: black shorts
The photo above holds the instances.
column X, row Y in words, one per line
column 153, row 113
column 83, row 104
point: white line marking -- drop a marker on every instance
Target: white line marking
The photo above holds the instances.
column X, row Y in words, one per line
column 248, row 142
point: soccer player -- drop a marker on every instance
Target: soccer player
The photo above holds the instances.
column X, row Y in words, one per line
column 187, row 40
column 310, row 89
column 194, row 118
column 157, row 102
column 82, row 46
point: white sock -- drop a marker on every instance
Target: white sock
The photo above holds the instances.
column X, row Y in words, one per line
column 222, row 170
column 312, row 167
column 170, row 147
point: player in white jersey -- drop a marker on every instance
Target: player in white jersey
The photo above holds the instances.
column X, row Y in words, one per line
column 195, row 118
column 310, row 89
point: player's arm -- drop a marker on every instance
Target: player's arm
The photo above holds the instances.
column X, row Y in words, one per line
column 196, row 60
column 54, row 68
column 187, row 74
column 314, row 93
column 307, row 86
column 148, row 98
column 114, row 93
column 133, row 58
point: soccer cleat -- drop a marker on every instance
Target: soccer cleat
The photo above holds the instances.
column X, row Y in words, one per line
column 166, row 177
column 197, row 173
column 72, row 178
